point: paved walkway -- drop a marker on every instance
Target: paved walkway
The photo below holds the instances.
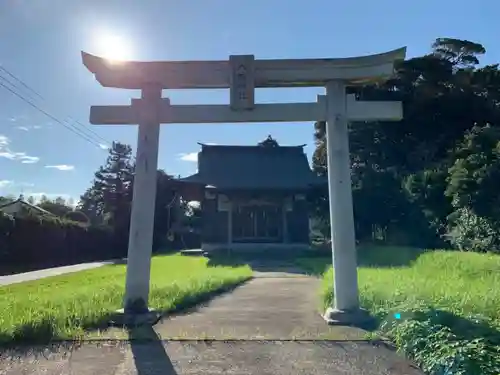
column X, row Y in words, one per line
column 48, row 272
column 267, row 326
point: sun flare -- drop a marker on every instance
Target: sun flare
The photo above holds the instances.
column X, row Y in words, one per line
column 113, row 47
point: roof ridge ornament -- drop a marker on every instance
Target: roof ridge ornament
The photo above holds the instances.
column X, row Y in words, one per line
column 269, row 142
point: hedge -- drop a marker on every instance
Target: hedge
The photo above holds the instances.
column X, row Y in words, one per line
column 30, row 242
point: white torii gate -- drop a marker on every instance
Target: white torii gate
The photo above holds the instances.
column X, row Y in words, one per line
column 242, row 74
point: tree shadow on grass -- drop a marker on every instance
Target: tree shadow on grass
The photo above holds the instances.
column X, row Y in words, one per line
column 42, row 333
column 258, row 264
column 464, row 328
column 369, row 256
column 374, row 256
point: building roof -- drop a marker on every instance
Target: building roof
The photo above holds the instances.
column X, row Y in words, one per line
column 29, row 205
column 253, row 167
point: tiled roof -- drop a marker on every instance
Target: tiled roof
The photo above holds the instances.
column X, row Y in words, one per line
column 254, row 167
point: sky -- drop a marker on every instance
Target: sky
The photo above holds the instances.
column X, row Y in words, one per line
column 41, row 41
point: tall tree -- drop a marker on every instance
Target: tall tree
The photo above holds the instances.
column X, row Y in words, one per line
column 110, row 195
column 58, row 206
column 444, row 94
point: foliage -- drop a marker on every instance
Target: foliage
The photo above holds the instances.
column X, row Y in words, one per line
column 406, row 175
column 58, row 206
column 6, row 199
column 32, row 312
column 111, row 190
column 109, row 199
column 35, row 242
column 470, row 232
column 443, row 311
column 443, row 343
column 77, row 216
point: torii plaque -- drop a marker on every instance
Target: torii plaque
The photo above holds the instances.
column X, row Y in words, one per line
column 242, row 74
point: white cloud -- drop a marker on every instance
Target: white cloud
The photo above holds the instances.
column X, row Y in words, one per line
column 61, row 167
column 28, row 128
column 6, row 152
column 25, row 159
column 19, row 156
column 4, row 183
column 192, row 157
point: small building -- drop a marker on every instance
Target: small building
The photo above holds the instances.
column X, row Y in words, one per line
column 252, row 197
column 20, row 207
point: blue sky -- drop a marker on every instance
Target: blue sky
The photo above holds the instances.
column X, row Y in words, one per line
column 41, row 40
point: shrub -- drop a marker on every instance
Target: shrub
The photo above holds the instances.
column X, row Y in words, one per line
column 77, row 216
column 35, row 242
column 471, row 232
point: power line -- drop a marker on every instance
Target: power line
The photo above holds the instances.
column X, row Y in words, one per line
column 13, row 86
column 101, row 139
column 31, row 90
column 20, row 81
column 72, row 129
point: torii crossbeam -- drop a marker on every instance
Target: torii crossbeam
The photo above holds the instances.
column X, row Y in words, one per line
column 242, row 74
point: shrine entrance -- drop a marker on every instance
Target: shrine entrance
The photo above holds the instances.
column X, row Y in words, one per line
column 242, row 74
column 257, row 223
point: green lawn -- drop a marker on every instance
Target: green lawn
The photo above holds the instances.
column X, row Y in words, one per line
column 67, row 306
column 440, row 307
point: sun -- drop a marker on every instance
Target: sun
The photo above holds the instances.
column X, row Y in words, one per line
column 113, row 47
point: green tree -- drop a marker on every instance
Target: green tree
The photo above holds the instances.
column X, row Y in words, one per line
column 57, row 206
column 6, row 199
column 473, row 178
column 110, row 195
column 109, row 199
column 77, row 216
column 400, row 170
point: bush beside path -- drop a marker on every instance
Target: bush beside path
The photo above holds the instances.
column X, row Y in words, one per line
column 441, row 308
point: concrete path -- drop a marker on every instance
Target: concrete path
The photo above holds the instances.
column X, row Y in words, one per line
column 48, row 272
column 267, row 326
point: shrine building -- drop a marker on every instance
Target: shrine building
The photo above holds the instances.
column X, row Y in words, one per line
column 252, row 197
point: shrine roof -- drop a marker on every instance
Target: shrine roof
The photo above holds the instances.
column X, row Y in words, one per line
column 253, row 167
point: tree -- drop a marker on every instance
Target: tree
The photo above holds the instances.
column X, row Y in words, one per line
column 109, row 199
column 460, row 53
column 92, row 204
column 400, row 170
column 57, row 206
column 6, row 199
column 111, row 192
column 77, row 216
column 473, row 178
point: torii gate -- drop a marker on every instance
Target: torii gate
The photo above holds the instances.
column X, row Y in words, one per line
column 242, row 74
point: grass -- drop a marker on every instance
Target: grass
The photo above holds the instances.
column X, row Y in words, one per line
column 68, row 306
column 442, row 308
